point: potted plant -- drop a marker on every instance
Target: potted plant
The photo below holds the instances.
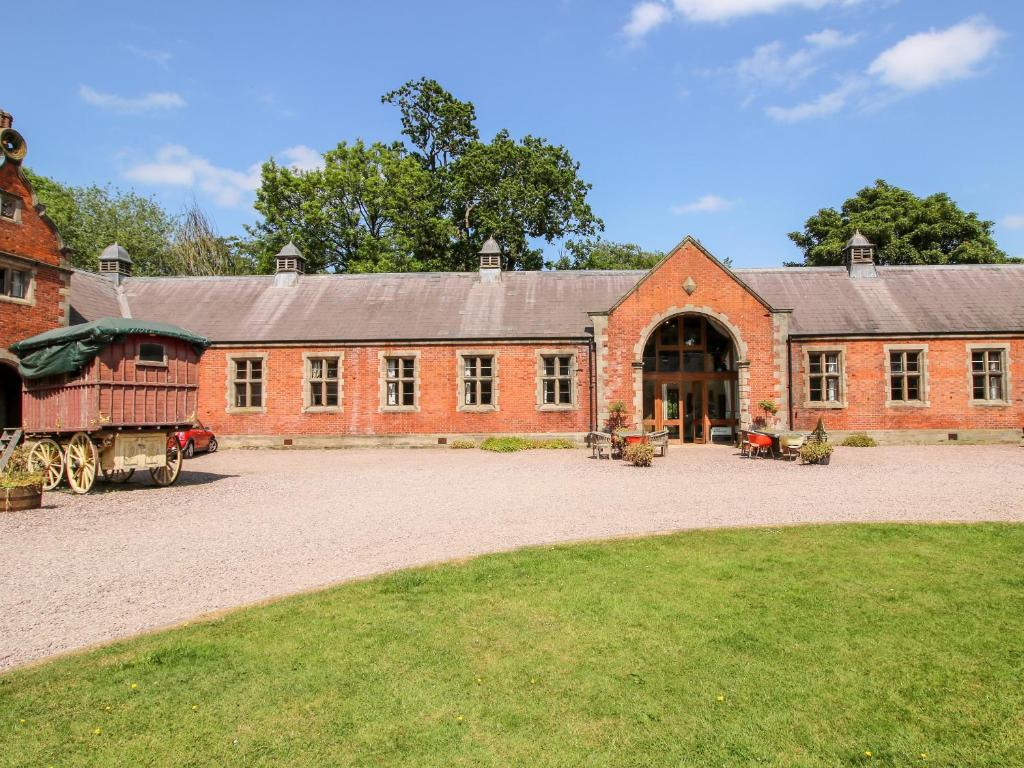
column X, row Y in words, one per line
column 21, row 487
column 615, row 424
column 770, row 409
column 813, row 452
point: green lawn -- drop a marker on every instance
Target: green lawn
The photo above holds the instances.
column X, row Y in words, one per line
column 799, row 646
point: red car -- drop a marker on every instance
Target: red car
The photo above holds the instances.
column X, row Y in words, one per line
column 199, row 438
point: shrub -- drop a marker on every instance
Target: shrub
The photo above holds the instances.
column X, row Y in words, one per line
column 462, row 444
column 859, row 440
column 506, row 444
column 19, row 473
column 513, row 444
column 555, row 443
column 639, row 454
column 815, row 453
column 769, row 407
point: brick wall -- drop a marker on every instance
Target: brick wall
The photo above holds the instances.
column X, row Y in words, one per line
column 360, row 413
column 717, row 294
column 33, row 244
column 948, row 392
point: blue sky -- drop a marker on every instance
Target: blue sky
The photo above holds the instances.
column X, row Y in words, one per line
column 732, row 120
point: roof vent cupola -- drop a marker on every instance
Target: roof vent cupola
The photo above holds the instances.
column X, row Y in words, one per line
column 115, row 263
column 860, row 256
column 490, row 260
column 289, row 263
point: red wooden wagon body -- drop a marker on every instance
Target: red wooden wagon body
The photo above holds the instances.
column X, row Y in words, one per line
column 107, row 397
column 118, row 390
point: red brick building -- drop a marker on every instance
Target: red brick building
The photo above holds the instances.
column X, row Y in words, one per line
column 34, row 276
column 924, row 353
column 931, row 353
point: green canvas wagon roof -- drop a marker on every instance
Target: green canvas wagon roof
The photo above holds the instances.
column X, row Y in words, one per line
column 64, row 350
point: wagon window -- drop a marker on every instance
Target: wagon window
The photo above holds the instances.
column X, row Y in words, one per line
column 151, row 353
column 248, row 383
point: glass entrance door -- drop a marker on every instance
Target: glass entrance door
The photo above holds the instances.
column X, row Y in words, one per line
column 694, row 414
column 670, row 417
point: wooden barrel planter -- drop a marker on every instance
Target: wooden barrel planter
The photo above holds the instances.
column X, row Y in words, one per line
column 17, row 499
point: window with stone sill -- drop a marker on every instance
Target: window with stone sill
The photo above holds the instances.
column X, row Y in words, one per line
column 247, row 382
column 988, row 375
column 14, row 283
column 906, row 376
column 478, row 381
column 322, row 377
column 557, row 373
column 400, row 382
column 9, row 207
column 824, row 377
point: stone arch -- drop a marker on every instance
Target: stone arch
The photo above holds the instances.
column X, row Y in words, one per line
column 722, row 320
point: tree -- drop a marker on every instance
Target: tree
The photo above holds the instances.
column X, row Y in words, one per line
column 431, row 206
column 605, row 254
column 196, row 249
column 369, row 209
column 439, row 126
column 906, row 229
column 91, row 218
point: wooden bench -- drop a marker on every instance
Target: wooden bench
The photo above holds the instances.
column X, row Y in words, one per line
column 600, row 444
column 659, row 439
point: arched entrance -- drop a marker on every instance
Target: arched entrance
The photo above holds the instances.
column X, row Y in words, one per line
column 10, row 396
column 690, row 380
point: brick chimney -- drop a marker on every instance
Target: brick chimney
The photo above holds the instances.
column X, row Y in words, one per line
column 860, row 256
column 490, row 260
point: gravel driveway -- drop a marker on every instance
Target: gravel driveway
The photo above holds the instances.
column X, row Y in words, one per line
column 242, row 526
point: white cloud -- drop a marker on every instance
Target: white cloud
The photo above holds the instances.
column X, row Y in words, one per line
column 302, row 158
column 1014, row 221
column 823, row 106
column 175, row 166
column 643, row 18
column 929, row 58
column 725, row 10
column 769, row 64
column 131, row 106
column 705, row 204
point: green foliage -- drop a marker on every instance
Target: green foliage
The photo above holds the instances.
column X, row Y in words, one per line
column 819, row 434
column 91, row 218
column 604, row 254
column 775, row 646
column 769, row 407
column 813, row 452
column 18, row 473
column 907, row 229
column 639, row 454
column 388, row 207
column 513, row 444
column 859, row 440
column 462, row 444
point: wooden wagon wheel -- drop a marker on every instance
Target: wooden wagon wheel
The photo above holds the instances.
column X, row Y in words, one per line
column 168, row 473
column 47, row 457
column 81, row 461
column 118, row 475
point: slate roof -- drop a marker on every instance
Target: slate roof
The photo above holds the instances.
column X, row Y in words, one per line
column 546, row 305
column 974, row 298
column 92, row 297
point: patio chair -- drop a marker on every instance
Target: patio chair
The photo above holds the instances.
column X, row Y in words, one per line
column 600, row 445
column 790, row 446
column 659, row 440
column 760, row 445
